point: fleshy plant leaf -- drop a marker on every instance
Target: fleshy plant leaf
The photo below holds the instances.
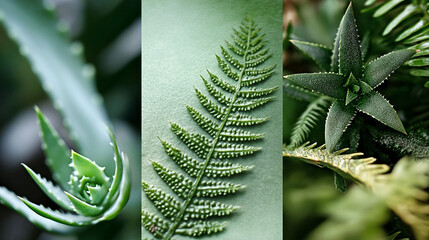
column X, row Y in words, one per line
column 55, row 193
column 85, row 167
column 57, row 153
column 339, row 118
column 317, row 52
column 351, row 84
column 350, row 56
column 379, row 108
column 330, row 84
column 378, row 70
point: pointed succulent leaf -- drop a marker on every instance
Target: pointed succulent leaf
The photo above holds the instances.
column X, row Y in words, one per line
column 57, row 153
column 55, row 193
column 199, row 228
column 57, row 216
column 379, row 69
column 317, row 52
column 339, row 118
column 379, row 108
column 350, row 96
column 85, row 167
column 330, row 84
column 84, row 208
column 350, row 56
column 12, row 201
column 97, row 193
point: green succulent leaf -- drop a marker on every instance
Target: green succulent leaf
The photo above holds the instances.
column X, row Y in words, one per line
column 350, row 56
column 85, row 167
column 317, row 52
column 57, row 153
column 376, row 106
column 55, row 193
column 339, row 118
column 82, row 207
column 330, row 84
column 379, row 69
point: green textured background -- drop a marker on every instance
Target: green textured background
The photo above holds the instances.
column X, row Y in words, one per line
column 180, row 40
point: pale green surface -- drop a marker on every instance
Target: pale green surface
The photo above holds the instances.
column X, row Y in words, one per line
column 180, row 40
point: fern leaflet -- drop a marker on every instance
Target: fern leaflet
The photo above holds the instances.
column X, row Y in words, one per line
column 411, row 28
column 190, row 211
column 308, row 120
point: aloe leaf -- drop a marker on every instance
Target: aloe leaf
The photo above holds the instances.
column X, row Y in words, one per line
column 350, row 56
column 419, row 25
column 330, row 84
column 82, row 207
column 386, row 7
column 57, row 153
column 85, row 167
column 121, row 174
column 379, row 108
column 408, row 11
column 53, row 192
column 339, row 118
column 378, row 70
column 64, row 218
column 317, row 52
column 63, row 74
column 10, row 200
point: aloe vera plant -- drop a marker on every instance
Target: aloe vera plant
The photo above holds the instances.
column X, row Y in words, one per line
column 189, row 211
column 348, row 81
column 90, row 189
column 84, row 189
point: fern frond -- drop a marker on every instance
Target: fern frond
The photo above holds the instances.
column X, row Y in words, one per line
column 411, row 28
column 190, row 212
column 308, row 119
column 361, row 170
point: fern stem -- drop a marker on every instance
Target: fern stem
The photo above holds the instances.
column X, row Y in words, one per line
column 197, row 181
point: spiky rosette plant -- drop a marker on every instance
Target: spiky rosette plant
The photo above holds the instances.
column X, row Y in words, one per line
column 83, row 190
column 348, row 81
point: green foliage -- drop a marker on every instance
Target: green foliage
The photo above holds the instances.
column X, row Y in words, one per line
column 350, row 83
column 410, row 27
column 83, row 190
column 191, row 214
column 88, row 193
column 308, row 120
